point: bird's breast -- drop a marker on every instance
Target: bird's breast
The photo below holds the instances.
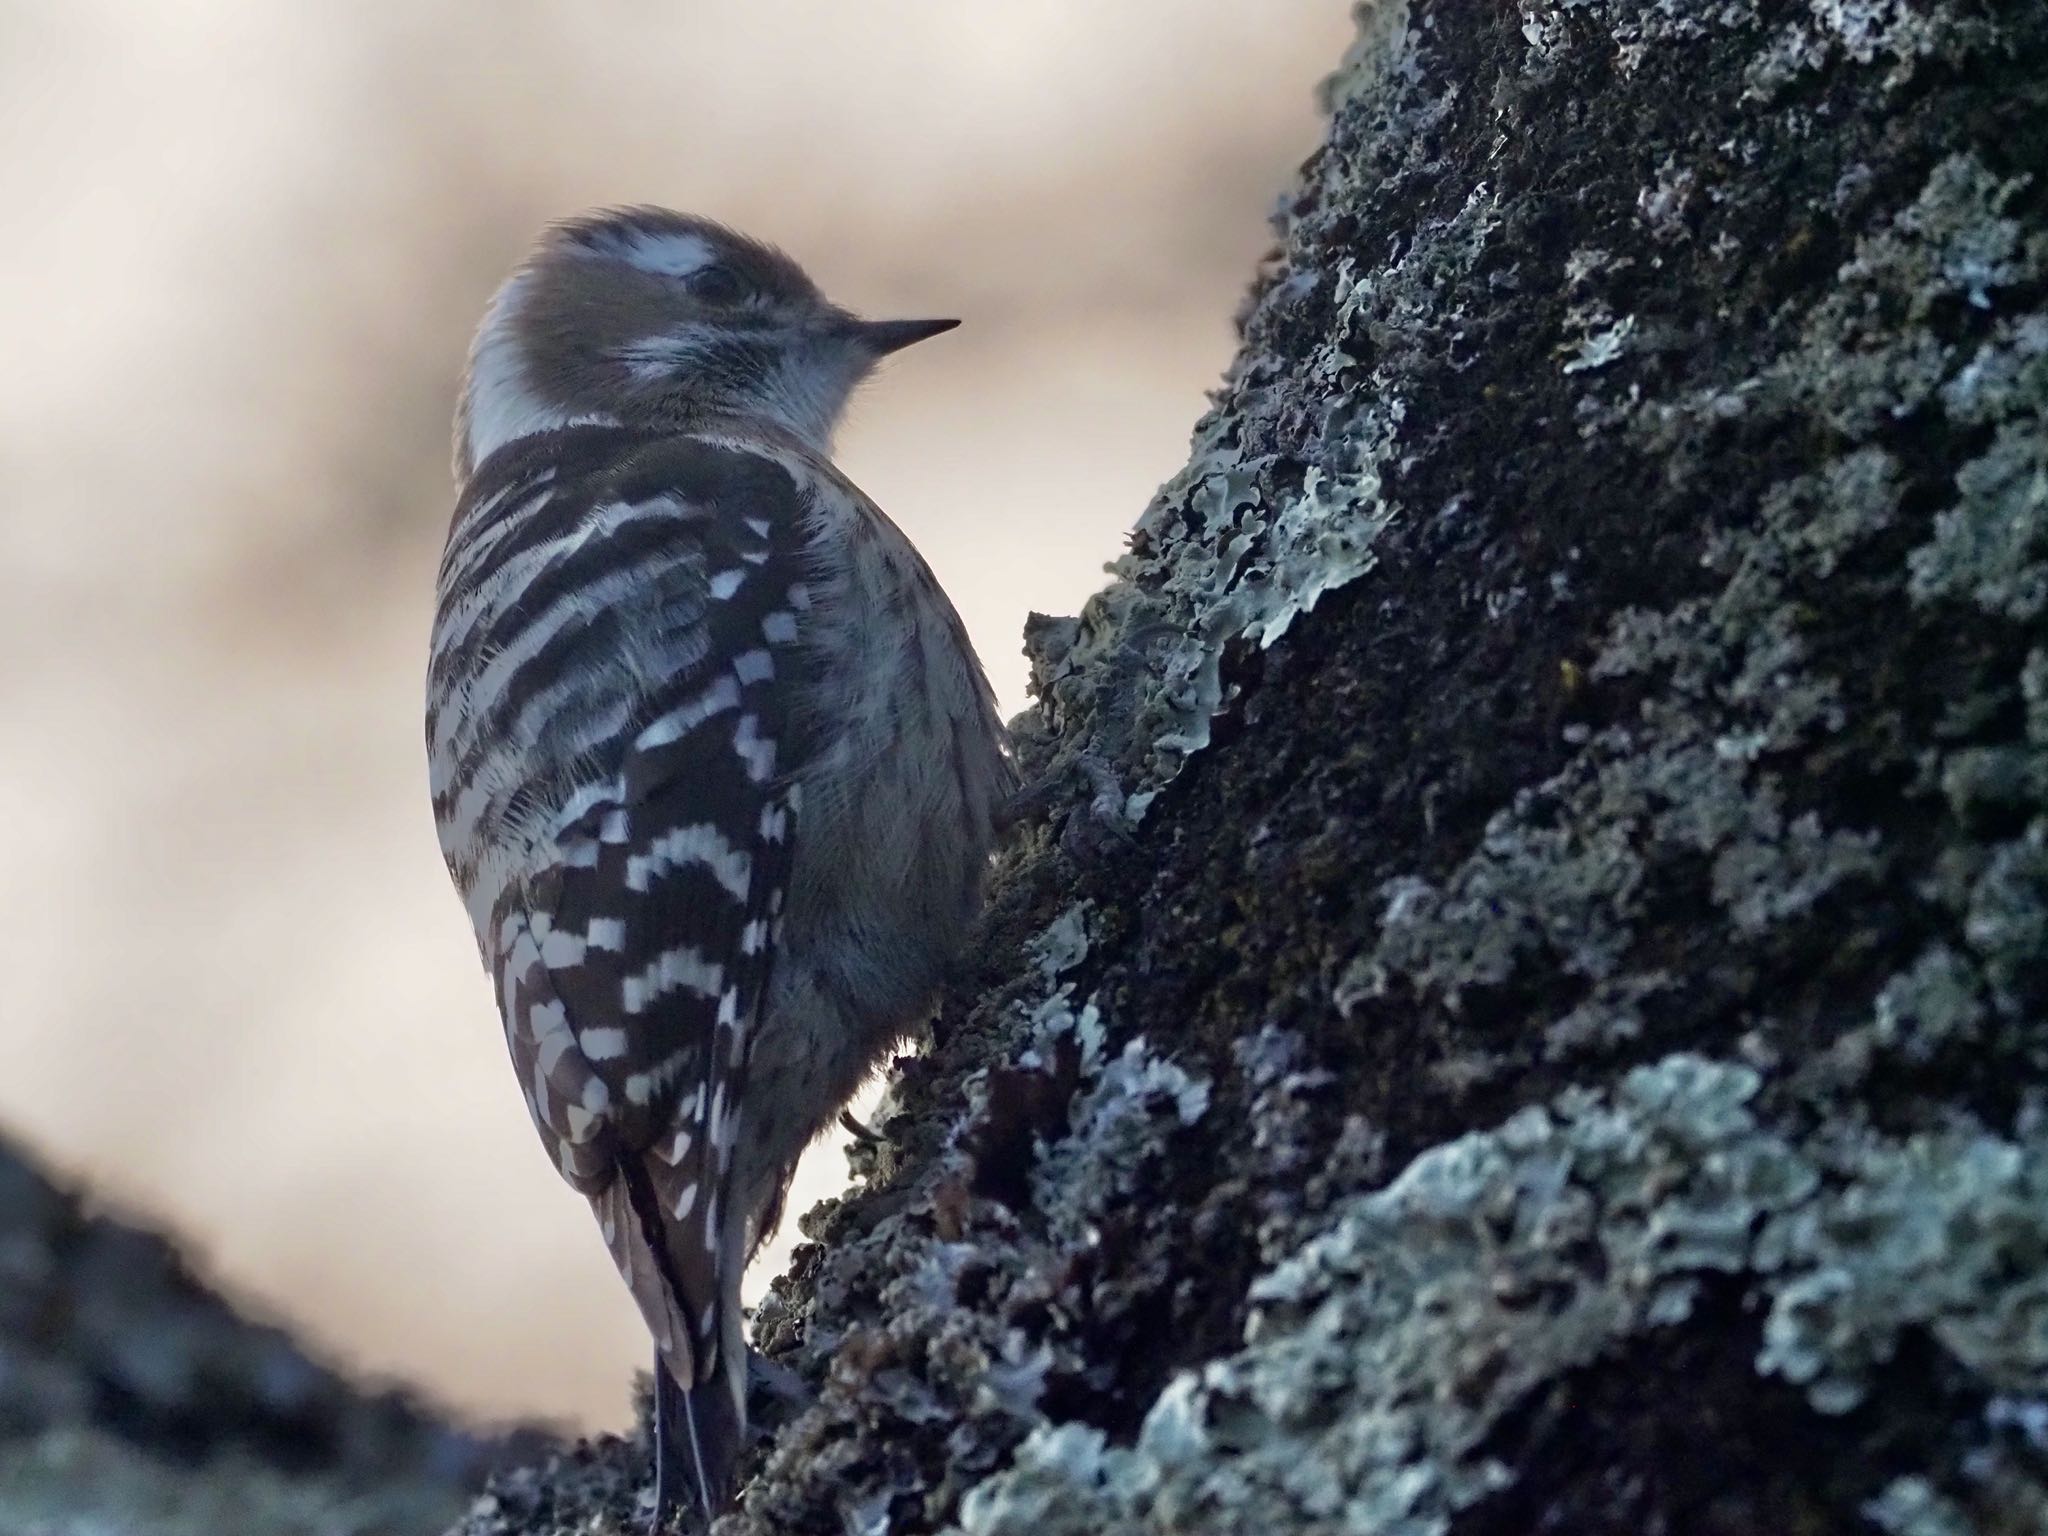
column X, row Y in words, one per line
column 901, row 773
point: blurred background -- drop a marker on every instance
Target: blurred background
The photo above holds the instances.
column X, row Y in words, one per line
column 241, row 248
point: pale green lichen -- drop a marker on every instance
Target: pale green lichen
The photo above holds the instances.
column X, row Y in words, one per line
column 1991, row 547
column 1909, row 1506
column 1116, row 1124
column 1127, row 1105
column 2034, row 689
column 1923, row 1009
column 1383, row 1352
column 1065, row 941
column 1381, row 1355
column 2007, row 920
column 1611, row 1015
column 1896, row 33
column 1825, row 517
column 1945, row 1232
column 1564, row 871
column 1226, row 556
column 2007, row 378
column 1992, row 1494
column 1867, row 355
column 1242, row 543
column 1604, row 340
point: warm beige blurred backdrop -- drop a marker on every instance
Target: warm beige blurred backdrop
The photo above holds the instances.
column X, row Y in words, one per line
column 243, row 244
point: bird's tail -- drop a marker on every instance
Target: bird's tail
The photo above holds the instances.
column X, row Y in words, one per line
column 700, row 1356
column 697, row 1433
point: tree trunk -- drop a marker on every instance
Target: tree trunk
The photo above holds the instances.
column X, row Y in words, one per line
column 136, row 1400
column 1522, row 1007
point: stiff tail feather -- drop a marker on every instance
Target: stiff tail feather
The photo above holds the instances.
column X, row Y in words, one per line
column 699, row 1412
column 697, row 1433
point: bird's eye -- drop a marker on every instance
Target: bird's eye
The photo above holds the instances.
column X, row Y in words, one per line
column 718, row 285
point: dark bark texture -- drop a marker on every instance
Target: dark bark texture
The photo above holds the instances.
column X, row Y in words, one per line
column 136, row 1400
column 1522, row 1007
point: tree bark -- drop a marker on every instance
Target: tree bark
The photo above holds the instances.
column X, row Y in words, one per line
column 136, row 1399
column 1523, row 1009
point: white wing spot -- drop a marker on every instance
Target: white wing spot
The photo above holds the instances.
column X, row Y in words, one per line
column 588, row 799
column 725, row 583
column 799, row 596
column 558, row 951
column 683, row 968
column 686, row 1202
column 779, row 628
column 639, row 1087
column 606, row 933
column 699, row 843
column 760, row 525
column 722, row 695
column 753, row 666
column 605, row 1044
column 756, row 751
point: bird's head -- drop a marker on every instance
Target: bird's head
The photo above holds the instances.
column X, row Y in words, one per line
column 640, row 316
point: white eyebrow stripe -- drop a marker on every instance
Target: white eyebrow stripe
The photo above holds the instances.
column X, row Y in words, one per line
column 666, row 253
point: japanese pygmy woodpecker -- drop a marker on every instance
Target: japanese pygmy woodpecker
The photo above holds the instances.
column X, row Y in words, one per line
column 713, row 763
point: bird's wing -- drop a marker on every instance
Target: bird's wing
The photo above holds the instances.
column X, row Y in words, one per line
column 646, row 663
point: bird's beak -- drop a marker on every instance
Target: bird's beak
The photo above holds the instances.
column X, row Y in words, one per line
column 882, row 337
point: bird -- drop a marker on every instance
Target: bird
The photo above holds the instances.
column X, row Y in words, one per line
column 714, row 766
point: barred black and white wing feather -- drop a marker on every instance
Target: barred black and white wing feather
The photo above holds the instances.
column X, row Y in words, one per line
column 620, row 617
